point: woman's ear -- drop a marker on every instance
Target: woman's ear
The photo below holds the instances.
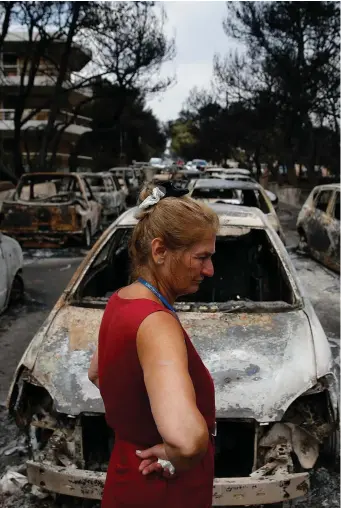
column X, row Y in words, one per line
column 158, row 250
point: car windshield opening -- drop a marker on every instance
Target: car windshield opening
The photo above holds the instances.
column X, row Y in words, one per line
column 96, row 183
column 244, row 197
column 247, row 268
column 38, row 188
column 214, row 194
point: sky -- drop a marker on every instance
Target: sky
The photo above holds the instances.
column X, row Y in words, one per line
column 198, row 31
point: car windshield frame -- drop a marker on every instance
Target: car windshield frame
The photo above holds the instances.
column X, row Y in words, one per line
column 68, row 183
column 230, row 306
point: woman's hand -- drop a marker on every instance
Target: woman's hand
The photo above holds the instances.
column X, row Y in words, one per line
column 150, row 459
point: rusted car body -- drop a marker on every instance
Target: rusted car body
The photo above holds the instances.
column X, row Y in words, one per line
column 47, row 209
column 11, row 267
column 276, row 389
column 318, row 225
column 221, row 190
column 107, row 191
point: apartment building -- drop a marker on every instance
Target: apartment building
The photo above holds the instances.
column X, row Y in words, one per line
column 38, row 102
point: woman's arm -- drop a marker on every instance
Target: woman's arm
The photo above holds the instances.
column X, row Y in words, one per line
column 93, row 369
column 162, row 353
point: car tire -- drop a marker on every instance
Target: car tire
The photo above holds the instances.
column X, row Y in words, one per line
column 17, row 290
column 87, row 236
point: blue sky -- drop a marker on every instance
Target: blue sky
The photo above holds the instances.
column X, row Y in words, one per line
column 199, row 34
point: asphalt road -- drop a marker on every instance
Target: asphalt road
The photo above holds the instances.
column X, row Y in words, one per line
column 46, row 273
column 45, row 279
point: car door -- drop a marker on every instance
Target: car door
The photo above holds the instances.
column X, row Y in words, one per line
column 318, row 237
column 121, row 193
column 334, row 230
column 94, row 207
column 117, row 195
column 4, row 282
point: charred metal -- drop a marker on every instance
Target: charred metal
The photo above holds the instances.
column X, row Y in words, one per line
column 70, row 453
column 318, row 225
column 275, row 388
column 49, row 208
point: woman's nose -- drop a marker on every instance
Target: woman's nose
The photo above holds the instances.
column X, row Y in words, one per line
column 208, row 269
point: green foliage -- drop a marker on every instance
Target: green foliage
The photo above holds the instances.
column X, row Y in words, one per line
column 288, row 77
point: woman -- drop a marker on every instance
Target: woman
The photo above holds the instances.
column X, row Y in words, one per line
column 158, row 395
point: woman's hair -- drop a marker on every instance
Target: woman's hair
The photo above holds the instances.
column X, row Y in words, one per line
column 179, row 221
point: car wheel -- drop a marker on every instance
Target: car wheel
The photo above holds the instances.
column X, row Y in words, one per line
column 87, row 236
column 17, row 290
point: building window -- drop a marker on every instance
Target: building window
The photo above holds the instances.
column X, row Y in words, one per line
column 9, row 59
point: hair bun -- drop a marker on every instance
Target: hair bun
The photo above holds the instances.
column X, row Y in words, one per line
column 146, row 191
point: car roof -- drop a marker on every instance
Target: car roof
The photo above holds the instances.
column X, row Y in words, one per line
column 330, row 186
column 124, row 168
column 219, row 183
column 241, row 171
column 50, row 174
column 229, row 215
column 101, row 173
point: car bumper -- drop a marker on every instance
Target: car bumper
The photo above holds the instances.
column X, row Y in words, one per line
column 226, row 491
column 43, row 237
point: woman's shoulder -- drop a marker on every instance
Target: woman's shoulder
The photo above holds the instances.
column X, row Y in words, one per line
column 134, row 308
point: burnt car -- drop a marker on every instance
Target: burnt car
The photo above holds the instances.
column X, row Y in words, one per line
column 48, row 209
column 257, row 333
column 318, row 225
column 107, row 191
column 240, row 174
column 236, row 192
column 130, row 178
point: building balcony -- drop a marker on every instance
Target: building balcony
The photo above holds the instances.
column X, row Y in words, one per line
column 77, row 124
column 78, row 58
column 45, row 80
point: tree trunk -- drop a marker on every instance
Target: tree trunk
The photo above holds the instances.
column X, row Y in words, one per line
column 55, row 105
column 17, row 155
column 5, row 24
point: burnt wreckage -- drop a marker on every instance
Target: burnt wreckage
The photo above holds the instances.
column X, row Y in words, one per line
column 50, row 208
column 276, row 391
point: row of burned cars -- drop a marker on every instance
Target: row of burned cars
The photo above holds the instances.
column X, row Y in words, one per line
column 276, row 383
column 53, row 208
column 318, row 224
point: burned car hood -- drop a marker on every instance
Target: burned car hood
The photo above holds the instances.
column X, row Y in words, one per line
column 260, row 363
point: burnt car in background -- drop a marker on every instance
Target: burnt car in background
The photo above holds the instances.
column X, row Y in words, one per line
column 48, row 209
column 130, row 178
column 237, row 192
column 257, row 333
column 240, row 174
column 107, row 191
column 318, row 225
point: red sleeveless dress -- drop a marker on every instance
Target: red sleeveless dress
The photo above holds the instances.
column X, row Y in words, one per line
column 129, row 414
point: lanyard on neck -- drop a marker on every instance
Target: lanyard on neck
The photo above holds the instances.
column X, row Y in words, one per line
column 157, row 293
